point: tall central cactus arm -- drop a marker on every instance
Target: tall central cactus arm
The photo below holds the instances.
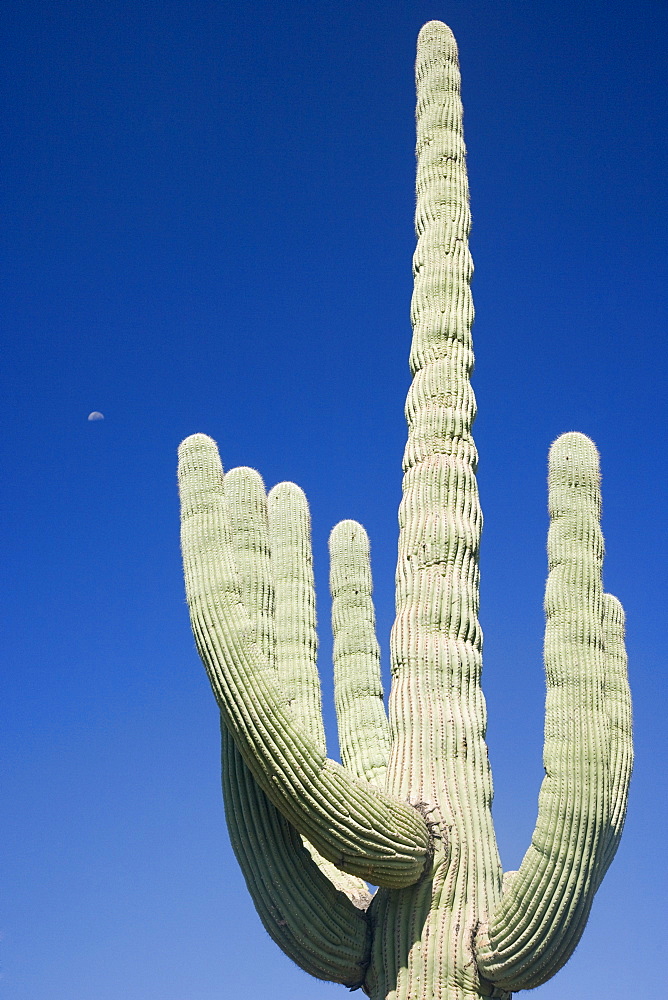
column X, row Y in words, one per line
column 437, row 707
column 587, row 754
column 358, row 828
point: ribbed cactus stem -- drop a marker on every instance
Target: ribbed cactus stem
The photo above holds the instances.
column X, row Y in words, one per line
column 296, row 636
column 586, row 756
column 439, row 516
column 316, row 924
column 437, row 710
column 270, row 540
column 364, row 734
column 618, row 706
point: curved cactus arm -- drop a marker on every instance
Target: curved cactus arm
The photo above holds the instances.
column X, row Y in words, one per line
column 545, row 905
column 299, row 898
column 296, row 646
column 364, row 732
column 356, row 827
column 271, row 548
column 315, row 924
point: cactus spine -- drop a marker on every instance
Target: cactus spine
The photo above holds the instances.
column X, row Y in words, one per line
column 409, row 810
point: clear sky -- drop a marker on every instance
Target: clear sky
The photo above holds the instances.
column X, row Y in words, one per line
column 207, row 226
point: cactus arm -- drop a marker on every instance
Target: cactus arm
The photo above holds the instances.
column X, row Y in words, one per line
column 364, row 734
column 437, row 709
column 315, row 924
column 357, row 828
column 618, row 704
column 545, row 905
column 438, row 713
column 296, row 646
column 271, row 546
column 296, row 636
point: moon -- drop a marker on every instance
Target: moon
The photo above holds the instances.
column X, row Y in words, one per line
column 95, row 415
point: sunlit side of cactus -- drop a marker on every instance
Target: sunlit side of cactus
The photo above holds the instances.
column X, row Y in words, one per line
column 409, row 808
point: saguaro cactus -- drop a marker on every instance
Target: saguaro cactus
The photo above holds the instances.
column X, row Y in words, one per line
column 408, row 810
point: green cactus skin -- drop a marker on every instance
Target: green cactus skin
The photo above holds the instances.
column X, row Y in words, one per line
column 410, row 809
column 364, row 732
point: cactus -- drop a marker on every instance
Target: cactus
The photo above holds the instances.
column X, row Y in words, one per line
column 409, row 809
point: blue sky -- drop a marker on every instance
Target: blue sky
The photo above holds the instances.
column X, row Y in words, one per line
column 208, row 227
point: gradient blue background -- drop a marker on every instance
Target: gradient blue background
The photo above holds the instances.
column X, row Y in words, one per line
column 208, row 227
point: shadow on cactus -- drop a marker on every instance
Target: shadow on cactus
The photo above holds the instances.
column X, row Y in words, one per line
column 408, row 809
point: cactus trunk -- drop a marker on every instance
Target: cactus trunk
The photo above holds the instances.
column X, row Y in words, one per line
column 437, row 709
column 410, row 809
